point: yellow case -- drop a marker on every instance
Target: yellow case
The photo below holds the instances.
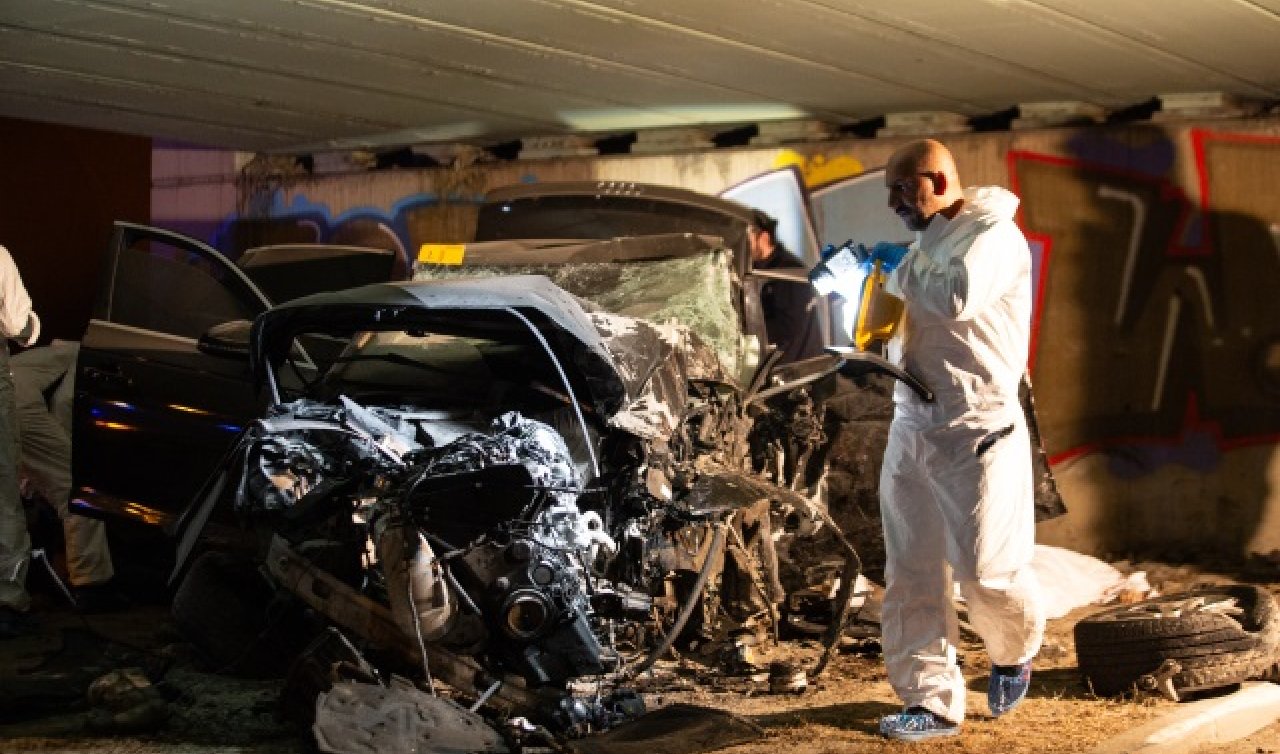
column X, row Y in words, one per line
column 878, row 312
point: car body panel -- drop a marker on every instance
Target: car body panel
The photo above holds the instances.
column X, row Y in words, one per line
column 458, row 306
column 631, row 372
column 152, row 413
column 287, row 271
column 609, row 209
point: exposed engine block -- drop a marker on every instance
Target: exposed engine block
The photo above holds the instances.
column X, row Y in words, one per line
column 500, row 509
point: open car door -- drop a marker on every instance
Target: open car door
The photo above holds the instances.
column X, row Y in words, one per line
column 153, row 413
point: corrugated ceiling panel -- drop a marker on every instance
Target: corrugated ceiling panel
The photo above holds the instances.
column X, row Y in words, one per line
column 1057, row 44
column 1237, row 38
column 847, row 39
column 347, row 72
column 107, row 116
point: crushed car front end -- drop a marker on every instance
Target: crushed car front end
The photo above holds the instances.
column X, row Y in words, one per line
column 519, row 483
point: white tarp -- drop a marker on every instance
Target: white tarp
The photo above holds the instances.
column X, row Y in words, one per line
column 1071, row 579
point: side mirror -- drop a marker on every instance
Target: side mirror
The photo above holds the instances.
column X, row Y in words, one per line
column 229, row 340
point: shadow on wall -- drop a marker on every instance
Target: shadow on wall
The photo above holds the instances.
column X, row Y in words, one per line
column 1158, row 346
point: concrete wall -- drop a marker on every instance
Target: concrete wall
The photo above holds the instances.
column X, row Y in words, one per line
column 63, row 187
column 1157, row 353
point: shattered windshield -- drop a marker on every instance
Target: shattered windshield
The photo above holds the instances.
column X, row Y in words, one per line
column 695, row 291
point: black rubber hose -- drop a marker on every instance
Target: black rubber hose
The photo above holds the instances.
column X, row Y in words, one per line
column 717, row 544
column 844, row 596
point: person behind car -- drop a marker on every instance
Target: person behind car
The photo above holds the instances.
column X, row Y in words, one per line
column 20, row 324
column 956, row 492
column 788, row 307
column 43, row 380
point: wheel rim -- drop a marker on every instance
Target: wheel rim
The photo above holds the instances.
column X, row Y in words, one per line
column 1178, row 606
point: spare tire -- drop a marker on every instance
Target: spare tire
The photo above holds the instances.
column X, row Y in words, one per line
column 1213, row 637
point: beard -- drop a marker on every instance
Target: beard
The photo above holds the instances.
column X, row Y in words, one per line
column 913, row 218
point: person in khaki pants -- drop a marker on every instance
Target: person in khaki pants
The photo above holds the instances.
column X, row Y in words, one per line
column 44, row 386
column 20, row 324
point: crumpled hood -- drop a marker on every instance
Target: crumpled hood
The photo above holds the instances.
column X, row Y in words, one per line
column 636, row 370
column 655, row 363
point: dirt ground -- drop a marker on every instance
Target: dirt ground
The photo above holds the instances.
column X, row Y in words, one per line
column 43, row 707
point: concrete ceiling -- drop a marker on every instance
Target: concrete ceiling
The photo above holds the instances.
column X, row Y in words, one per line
column 309, row 75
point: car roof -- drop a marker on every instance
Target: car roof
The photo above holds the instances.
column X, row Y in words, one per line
column 287, row 253
column 672, row 194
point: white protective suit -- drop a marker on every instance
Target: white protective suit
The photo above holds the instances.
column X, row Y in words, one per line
column 956, row 486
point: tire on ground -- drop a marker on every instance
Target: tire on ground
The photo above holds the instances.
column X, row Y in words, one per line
column 1119, row 646
column 228, row 611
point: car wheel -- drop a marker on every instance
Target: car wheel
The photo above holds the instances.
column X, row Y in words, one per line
column 1180, row 643
column 230, row 613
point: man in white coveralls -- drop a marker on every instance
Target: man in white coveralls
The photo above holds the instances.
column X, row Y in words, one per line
column 956, row 490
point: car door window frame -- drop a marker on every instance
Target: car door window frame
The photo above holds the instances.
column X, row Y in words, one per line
column 126, row 235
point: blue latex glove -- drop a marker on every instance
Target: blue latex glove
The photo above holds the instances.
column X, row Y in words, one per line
column 889, row 255
column 830, row 250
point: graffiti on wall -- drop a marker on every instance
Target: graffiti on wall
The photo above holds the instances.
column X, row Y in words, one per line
column 401, row 229
column 819, row 169
column 1159, row 340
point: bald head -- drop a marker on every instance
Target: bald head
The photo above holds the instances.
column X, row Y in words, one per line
column 922, row 181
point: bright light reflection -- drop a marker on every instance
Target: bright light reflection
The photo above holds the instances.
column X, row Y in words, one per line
column 116, row 426
column 444, row 132
column 627, row 119
column 848, row 287
column 188, row 409
column 148, row 515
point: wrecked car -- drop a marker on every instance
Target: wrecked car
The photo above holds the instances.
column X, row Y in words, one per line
column 499, row 472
